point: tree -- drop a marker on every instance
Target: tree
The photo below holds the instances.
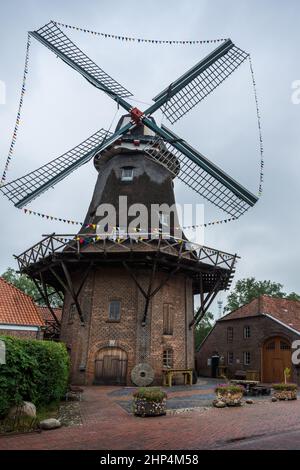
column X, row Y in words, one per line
column 26, row 285
column 203, row 328
column 248, row 289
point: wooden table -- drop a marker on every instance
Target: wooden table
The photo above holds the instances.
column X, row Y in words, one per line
column 169, row 373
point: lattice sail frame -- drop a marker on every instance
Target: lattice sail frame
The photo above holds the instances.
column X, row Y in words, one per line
column 20, row 189
column 205, row 81
column 196, row 178
column 56, row 38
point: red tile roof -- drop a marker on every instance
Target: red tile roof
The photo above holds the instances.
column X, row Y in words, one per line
column 47, row 315
column 286, row 311
column 16, row 307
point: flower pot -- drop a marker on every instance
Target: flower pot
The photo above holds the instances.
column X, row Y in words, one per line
column 146, row 408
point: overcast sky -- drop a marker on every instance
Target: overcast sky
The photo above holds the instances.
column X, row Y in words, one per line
column 61, row 109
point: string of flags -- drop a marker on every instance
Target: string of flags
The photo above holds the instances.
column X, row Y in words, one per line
column 94, row 226
column 140, row 40
column 261, row 145
column 18, row 119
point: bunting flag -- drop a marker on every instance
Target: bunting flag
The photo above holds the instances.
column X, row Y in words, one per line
column 115, row 229
column 186, row 42
column 261, row 145
column 18, row 119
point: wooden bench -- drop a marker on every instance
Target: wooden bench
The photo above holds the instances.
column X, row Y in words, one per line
column 169, row 373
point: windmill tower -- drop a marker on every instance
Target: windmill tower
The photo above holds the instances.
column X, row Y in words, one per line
column 128, row 297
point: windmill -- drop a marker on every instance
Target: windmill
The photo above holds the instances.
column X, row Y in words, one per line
column 128, row 313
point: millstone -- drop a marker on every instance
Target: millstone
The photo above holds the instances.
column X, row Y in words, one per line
column 142, row 375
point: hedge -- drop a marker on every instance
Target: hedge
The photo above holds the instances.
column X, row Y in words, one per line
column 35, row 371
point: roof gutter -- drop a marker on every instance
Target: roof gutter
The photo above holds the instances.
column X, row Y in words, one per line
column 281, row 323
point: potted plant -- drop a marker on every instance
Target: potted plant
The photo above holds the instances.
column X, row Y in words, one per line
column 285, row 391
column 229, row 394
column 149, row 401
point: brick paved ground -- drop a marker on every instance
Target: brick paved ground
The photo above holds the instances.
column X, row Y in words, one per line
column 106, row 425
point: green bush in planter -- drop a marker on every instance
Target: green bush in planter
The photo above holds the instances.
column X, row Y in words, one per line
column 224, row 389
column 35, row 371
column 150, row 394
column 285, row 387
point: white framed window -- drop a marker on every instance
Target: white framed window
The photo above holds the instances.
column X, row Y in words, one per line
column 127, row 174
column 168, row 358
column 247, row 332
column 247, row 358
column 230, row 358
column 114, row 313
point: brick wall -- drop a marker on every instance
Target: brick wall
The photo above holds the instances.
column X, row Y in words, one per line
column 141, row 344
column 22, row 334
column 262, row 328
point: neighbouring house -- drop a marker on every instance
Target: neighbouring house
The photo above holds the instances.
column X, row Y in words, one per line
column 254, row 340
column 52, row 324
column 19, row 315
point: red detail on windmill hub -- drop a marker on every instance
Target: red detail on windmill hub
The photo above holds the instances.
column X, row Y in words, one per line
column 136, row 115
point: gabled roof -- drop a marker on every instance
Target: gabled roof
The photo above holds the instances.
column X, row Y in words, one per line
column 47, row 315
column 16, row 307
column 283, row 310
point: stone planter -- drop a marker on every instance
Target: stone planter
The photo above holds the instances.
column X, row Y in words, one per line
column 144, row 408
column 228, row 395
column 285, row 394
column 230, row 399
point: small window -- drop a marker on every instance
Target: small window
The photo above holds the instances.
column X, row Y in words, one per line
column 167, row 319
column 247, row 358
column 284, row 345
column 270, row 346
column 230, row 358
column 115, row 310
column 247, row 332
column 127, row 174
column 229, row 334
column 168, row 358
column 72, row 312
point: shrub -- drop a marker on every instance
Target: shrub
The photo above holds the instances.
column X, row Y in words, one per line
column 285, row 387
column 223, row 389
column 150, row 394
column 35, row 371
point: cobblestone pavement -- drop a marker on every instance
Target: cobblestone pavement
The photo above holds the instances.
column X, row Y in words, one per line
column 107, row 425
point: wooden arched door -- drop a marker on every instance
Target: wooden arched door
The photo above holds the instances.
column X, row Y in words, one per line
column 276, row 357
column 110, row 367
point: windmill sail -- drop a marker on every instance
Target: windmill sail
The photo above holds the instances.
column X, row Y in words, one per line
column 22, row 190
column 198, row 82
column 53, row 38
column 199, row 173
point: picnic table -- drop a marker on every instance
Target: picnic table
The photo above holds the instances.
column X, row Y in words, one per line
column 169, row 373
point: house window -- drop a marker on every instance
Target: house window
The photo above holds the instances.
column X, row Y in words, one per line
column 72, row 312
column 168, row 358
column 284, row 345
column 230, row 358
column 229, row 334
column 247, row 358
column 168, row 319
column 127, row 174
column 115, row 310
column 247, row 333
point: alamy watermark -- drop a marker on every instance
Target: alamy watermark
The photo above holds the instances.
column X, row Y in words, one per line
column 2, row 92
column 138, row 219
column 295, row 98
